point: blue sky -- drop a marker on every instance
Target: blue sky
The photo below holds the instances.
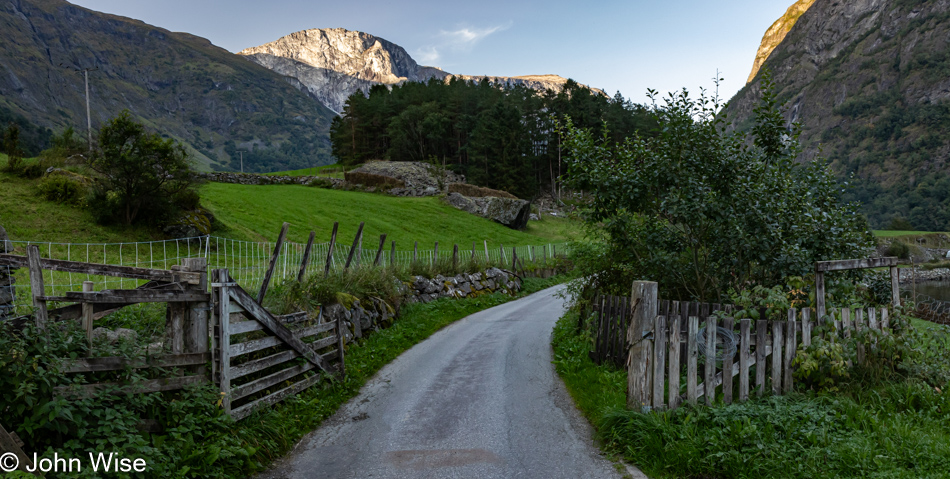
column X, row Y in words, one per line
column 613, row 45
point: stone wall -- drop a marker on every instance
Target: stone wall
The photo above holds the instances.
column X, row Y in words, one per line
column 376, row 314
column 6, row 277
column 255, row 179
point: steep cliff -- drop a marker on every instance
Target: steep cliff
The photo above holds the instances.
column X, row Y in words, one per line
column 869, row 81
column 776, row 33
column 178, row 84
column 333, row 63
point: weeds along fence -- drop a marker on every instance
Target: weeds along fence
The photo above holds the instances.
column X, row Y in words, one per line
column 248, row 261
column 677, row 352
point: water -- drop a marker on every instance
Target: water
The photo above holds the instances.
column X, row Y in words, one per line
column 934, row 289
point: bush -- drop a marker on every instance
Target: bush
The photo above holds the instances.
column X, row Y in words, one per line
column 899, row 249
column 371, row 180
column 899, row 223
column 321, row 183
column 62, row 189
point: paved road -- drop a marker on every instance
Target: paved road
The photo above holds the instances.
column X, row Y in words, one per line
column 478, row 399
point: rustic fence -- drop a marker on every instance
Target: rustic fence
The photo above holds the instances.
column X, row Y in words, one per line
column 248, row 261
column 664, row 343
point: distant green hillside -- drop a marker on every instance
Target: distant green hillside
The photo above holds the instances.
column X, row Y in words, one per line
column 257, row 212
column 177, row 84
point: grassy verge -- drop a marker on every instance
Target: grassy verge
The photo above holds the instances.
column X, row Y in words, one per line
column 898, row 428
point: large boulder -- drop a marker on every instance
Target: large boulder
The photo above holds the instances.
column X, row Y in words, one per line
column 418, row 178
column 512, row 213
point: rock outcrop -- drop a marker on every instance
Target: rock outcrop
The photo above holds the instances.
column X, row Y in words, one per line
column 513, row 213
column 333, row 63
column 421, row 179
column 776, row 33
column 7, row 292
column 868, row 81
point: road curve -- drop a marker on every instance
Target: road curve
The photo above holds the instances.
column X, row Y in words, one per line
column 479, row 398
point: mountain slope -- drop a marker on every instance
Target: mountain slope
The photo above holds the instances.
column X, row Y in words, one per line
column 776, row 33
column 869, row 80
column 334, row 62
column 178, row 84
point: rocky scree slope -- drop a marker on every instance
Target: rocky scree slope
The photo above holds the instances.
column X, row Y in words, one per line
column 175, row 83
column 333, row 63
column 869, row 81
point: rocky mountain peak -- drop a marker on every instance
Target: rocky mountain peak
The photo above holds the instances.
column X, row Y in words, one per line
column 776, row 33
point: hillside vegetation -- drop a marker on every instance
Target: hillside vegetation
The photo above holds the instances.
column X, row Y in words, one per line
column 867, row 81
column 177, row 84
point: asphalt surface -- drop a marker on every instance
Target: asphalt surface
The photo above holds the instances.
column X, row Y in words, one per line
column 478, row 399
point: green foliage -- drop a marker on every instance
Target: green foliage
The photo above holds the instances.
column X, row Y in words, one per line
column 139, row 173
column 899, row 249
column 898, row 223
column 63, row 189
column 699, row 210
column 896, row 428
column 504, row 138
column 823, row 365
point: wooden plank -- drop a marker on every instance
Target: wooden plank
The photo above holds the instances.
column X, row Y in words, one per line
column 265, row 382
column 9, row 444
column 149, row 386
column 895, row 286
column 791, row 348
column 643, row 299
column 858, row 327
column 264, row 317
column 885, row 320
column 241, row 327
column 340, row 345
column 329, row 263
column 221, row 365
column 692, row 358
column 820, row 293
column 727, row 361
column 247, row 347
column 195, row 328
column 487, row 258
column 256, row 365
column 308, row 331
column 273, row 262
column 744, row 357
column 872, row 318
column 247, row 409
column 379, row 252
column 101, row 269
column 356, row 242
column 778, row 329
column 306, row 257
column 710, row 362
column 846, row 264
column 674, row 362
column 322, row 343
column 174, row 327
column 133, row 296
column 659, row 362
column 117, row 363
column 392, row 254
column 37, row 288
column 88, row 312
column 846, row 326
column 761, row 339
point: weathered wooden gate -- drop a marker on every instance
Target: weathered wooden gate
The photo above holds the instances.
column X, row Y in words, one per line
column 260, row 359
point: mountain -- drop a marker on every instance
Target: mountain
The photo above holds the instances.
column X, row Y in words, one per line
column 869, row 82
column 333, row 63
column 180, row 85
column 776, row 33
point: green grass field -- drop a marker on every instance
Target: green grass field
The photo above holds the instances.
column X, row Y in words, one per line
column 257, row 212
column 336, row 171
column 891, row 233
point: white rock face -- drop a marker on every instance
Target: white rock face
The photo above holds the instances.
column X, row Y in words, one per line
column 333, row 63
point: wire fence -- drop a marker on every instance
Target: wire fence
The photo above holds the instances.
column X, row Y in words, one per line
column 247, row 261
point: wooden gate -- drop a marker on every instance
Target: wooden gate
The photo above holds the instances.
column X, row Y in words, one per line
column 261, row 359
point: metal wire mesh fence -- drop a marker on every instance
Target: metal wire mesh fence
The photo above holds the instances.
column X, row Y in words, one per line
column 247, row 261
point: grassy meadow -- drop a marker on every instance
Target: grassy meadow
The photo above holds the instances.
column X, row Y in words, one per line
column 256, row 212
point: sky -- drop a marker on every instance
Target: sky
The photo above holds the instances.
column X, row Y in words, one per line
column 626, row 46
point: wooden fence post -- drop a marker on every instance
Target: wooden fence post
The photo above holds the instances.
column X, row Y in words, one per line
column 379, row 252
column 514, row 258
column 455, row 256
column 196, row 314
column 435, row 254
column 504, row 259
column 392, row 254
column 273, row 262
column 643, row 308
column 306, row 257
column 341, row 343
column 37, row 288
column 222, row 349
column 895, row 287
column 486, row 251
column 415, row 252
column 820, row 294
column 88, row 312
column 326, row 269
column 473, row 252
column 356, row 242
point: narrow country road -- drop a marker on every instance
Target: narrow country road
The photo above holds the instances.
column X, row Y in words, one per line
column 478, row 399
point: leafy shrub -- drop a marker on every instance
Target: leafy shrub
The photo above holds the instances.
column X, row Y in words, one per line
column 899, row 249
column 899, row 223
column 321, row 183
column 62, row 189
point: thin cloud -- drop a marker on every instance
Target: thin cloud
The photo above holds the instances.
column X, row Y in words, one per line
column 459, row 40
